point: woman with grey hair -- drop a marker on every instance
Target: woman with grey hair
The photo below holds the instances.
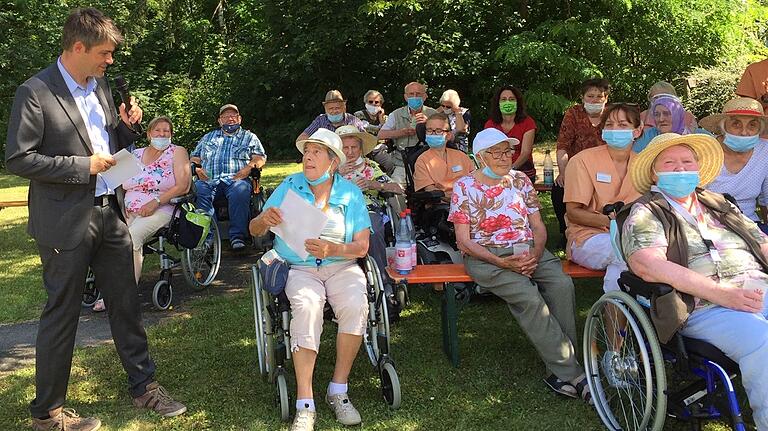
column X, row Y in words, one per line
column 458, row 117
column 373, row 117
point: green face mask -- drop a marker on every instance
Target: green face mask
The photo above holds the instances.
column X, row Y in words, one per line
column 508, row 107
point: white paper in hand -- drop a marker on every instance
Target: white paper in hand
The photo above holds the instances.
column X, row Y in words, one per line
column 301, row 221
column 127, row 166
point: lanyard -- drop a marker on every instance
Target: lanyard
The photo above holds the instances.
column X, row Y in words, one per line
column 699, row 224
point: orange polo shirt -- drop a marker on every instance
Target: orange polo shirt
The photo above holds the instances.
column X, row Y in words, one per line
column 441, row 171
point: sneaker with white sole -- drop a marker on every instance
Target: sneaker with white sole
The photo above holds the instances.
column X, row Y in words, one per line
column 304, row 420
column 345, row 412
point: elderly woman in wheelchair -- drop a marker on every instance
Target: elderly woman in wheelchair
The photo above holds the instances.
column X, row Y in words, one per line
column 165, row 175
column 713, row 260
column 498, row 226
column 330, row 273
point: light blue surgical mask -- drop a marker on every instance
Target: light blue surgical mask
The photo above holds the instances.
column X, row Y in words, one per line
column 678, row 184
column 435, row 141
column 741, row 144
column 335, row 118
column 620, row 138
column 415, row 103
column 488, row 172
column 230, row 128
column 323, row 178
column 614, row 236
column 160, row 144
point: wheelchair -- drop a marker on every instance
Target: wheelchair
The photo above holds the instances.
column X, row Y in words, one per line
column 272, row 323
column 199, row 265
column 256, row 204
column 702, row 374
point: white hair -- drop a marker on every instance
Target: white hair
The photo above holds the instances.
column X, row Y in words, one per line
column 451, row 95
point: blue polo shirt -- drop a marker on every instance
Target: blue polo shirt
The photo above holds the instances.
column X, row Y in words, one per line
column 345, row 197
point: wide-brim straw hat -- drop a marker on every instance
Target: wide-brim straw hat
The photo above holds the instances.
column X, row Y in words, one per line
column 489, row 137
column 706, row 147
column 369, row 141
column 327, row 138
column 333, row 96
column 738, row 106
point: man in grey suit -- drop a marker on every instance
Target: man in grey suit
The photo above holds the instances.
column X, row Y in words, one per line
column 62, row 132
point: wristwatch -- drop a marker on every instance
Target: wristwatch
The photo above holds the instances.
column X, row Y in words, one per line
column 157, row 199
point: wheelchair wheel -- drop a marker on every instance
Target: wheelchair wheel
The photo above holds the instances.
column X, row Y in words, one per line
column 201, row 264
column 377, row 334
column 402, row 295
column 91, row 294
column 283, row 401
column 390, row 385
column 162, row 294
column 629, row 395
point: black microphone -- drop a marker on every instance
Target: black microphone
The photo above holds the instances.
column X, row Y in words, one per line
column 122, row 87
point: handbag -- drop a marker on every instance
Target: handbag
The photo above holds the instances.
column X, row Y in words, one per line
column 274, row 272
column 191, row 225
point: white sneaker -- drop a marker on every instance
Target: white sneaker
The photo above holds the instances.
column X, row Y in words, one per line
column 345, row 412
column 304, row 420
column 616, row 369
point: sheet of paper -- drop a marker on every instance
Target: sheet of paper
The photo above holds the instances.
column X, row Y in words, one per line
column 127, row 167
column 301, row 221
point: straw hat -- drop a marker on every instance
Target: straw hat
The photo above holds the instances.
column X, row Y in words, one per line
column 489, row 137
column 369, row 141
column 737, row 106
column 707, row 149
column 327, row 138
column 333, row 96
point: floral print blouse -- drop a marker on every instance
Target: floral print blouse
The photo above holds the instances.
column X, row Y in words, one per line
column 155, row 179
column 370, row 170
column 497, row 215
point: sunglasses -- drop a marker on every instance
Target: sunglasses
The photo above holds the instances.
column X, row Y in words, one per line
column 374, row 102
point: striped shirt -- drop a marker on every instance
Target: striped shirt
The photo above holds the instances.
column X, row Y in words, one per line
column 224, row 155
column 322, row 121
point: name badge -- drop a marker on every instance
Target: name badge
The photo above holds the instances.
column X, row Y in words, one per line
column 603, row 177
column 456, row 168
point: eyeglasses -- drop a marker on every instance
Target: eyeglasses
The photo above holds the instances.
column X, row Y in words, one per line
column 437, row 131
column 374, row 102
column 447, row 107
column 229, row 117
column 498, row 155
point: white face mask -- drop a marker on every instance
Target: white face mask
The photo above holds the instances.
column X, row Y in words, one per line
column 372, row 109
column 359, row 160
column 160, row 144
column 593, row 108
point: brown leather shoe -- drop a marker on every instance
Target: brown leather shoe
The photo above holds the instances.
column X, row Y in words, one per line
column 65, row 419
column 157, row 398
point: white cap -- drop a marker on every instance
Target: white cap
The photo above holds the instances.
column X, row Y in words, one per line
column 490, row 137
column 327, row 138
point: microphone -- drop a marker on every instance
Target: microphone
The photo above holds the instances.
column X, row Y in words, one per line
column 125, row 95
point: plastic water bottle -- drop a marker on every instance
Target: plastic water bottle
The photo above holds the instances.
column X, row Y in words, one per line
column 412, row 235
column 549, row 170
column 403, row 247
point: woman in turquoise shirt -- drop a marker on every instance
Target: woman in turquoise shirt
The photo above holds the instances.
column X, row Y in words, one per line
column 330, row 272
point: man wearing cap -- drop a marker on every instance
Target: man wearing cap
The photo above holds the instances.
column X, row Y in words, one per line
column 227, row 156
column 439, row 166
column 401, row 124
column 711, row 254
column 744, row 174
column 335, row 116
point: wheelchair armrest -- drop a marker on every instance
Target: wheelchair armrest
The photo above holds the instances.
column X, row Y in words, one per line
column 189, row 197
column 635, row 285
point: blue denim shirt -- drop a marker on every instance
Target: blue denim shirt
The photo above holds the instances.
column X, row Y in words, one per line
column 344, row 194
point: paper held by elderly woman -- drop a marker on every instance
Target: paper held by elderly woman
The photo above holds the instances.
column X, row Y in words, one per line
column 301, row 221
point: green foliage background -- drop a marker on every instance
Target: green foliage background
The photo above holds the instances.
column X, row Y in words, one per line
column 276, row 58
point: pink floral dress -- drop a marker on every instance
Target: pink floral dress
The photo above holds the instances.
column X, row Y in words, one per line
column 497, row 215
column 155, row 179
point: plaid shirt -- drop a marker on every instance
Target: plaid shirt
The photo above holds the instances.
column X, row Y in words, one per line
column 222, row 156
column 322, row 121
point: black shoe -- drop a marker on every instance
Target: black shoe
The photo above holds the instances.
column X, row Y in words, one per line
column 237, row 244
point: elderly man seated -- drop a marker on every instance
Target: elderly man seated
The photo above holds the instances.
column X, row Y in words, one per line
column 712, row 255
column 334, row 117
column 439, row 166
column 227, row 156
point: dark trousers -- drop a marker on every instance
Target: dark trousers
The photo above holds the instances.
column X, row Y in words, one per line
column 106, row 248
column 558, row 206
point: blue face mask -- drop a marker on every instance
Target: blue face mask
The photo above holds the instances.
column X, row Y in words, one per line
column 435, row 141
column 160, row 144
column 741, row 144
column 618, row 138
column 678, row 184
column 230, row 128
column 335, row 118
column 415, row 103
column 614, row 235
column 490, row 174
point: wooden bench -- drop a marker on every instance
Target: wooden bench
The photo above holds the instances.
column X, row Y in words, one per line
column 541, row 187
column 456, row 295
column 9, row 204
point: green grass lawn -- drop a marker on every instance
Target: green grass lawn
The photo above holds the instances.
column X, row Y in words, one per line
column 208, row 360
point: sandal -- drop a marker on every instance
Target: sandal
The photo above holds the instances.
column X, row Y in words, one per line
column 583, row 390
column 562, row 387
column 99, row 306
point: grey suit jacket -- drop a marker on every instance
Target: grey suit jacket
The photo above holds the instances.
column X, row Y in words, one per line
column 49, row 144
